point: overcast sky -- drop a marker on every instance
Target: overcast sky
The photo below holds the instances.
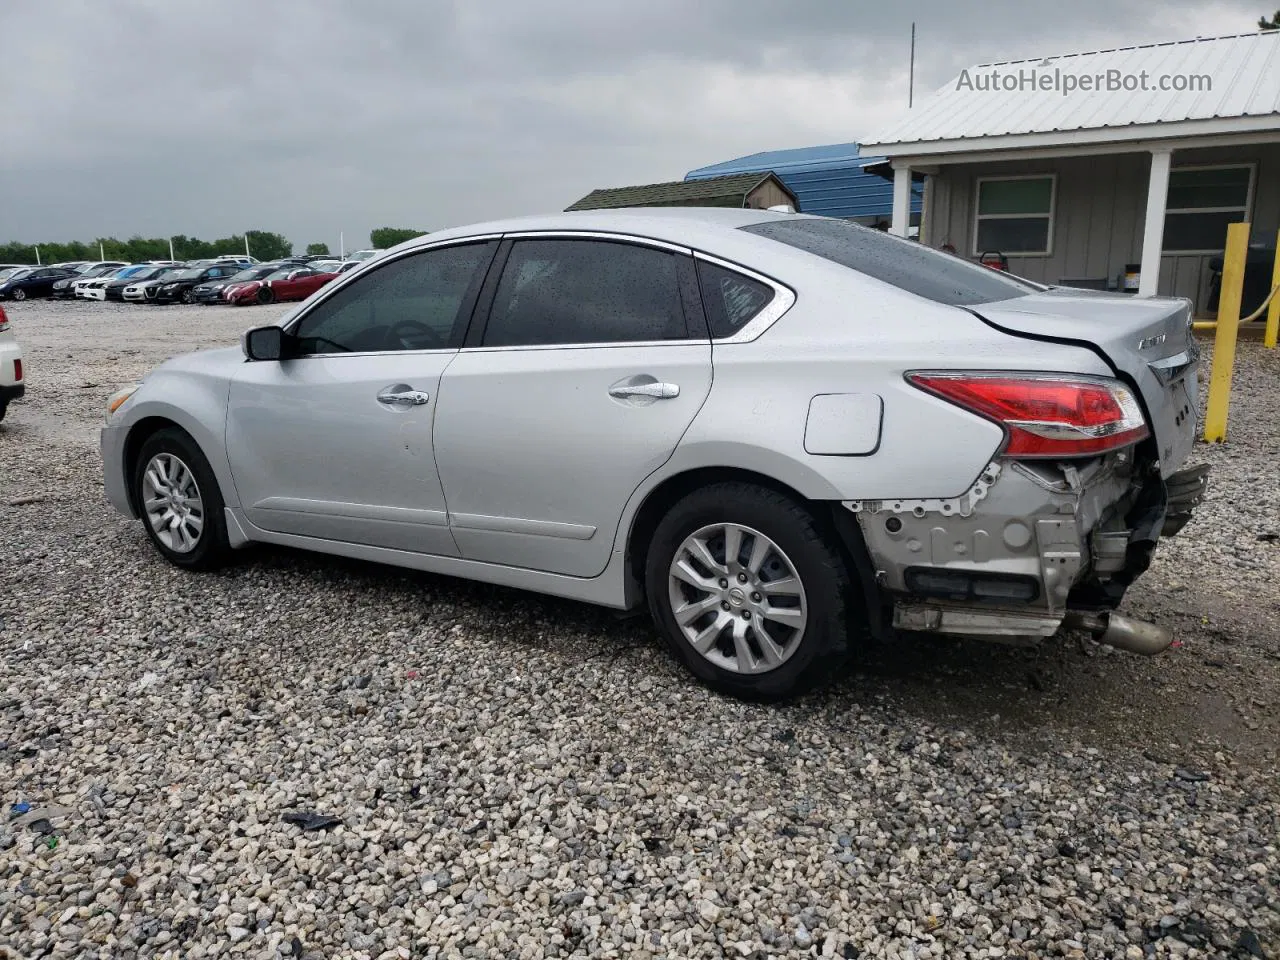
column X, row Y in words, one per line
column 207, row 117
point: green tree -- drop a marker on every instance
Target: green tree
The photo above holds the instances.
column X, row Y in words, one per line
column 317, row 249
column 269, row 246
column 1272, row 24
column 384, row 238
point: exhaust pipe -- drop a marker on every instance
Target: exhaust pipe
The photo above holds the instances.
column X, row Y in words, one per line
column 1123, row 633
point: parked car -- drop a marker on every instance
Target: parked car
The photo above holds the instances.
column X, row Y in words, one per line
column 365, row 254
column 95, row 288
column 212, row 291
column 115, row 289
column 31, row 282
column 288, row 283
column 145, row 286
column 12, row 376
column 181, row 285
column 64, row 288
column 717, row 413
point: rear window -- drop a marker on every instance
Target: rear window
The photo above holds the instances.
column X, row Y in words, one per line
column 910, row 266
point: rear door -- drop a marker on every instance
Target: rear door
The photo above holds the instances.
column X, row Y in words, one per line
column 592, row 363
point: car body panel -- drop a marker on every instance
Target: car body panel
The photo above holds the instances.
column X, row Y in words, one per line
column 504, row 472
column 301, row 436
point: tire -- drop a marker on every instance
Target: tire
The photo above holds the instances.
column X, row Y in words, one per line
column 186, row 296
column 19, row 294
column 209, row 548
column 797, row 549
column 4, row 408
column 265, row 295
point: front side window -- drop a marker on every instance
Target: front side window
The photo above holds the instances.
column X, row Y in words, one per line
column 412, row 303
column 1201, row 203
column 585, row 291
column 1015, row 215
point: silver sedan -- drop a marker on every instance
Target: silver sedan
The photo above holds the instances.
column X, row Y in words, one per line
column 782, row 433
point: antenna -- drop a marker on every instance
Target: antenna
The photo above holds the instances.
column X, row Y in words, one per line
column 911, row 70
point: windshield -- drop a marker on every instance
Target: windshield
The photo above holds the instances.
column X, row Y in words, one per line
column 19, row 273
column 148, row 274
column 906, row 264
column 6, row 274
column 281, row 274
column 98, row 271
column 187, row 273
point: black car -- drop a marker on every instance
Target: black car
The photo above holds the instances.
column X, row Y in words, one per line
column 182, row 285
column 62, row 289
column 32, row 282
column 115, row 289
column 211, row 291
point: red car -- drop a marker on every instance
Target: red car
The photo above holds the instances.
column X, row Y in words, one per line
column 289, row 283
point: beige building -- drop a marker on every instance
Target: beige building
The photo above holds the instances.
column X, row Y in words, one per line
column 1107, row 169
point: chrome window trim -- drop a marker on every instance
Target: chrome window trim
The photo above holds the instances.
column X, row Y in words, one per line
column 344, row 280
column 784, row 298
column 606, row 345
column 618, row 236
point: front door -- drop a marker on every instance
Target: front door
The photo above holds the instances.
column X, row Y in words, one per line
column 585, row 377
column 336, row 441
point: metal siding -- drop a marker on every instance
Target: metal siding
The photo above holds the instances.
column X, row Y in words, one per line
column 1245, row 72
column 827, row 180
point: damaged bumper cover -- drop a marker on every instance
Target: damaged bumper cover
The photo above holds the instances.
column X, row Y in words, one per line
column 1028, row 543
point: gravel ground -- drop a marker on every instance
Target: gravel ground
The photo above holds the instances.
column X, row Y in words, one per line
column 516, row 776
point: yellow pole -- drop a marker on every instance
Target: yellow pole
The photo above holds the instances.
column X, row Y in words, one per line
column 1224, row 343
column 1273, row 315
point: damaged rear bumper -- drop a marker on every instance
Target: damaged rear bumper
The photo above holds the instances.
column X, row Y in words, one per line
column 1028, row 545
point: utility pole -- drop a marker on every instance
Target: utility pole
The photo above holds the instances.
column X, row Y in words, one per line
column 246, row 244
column 342, row 246
column 911, row 70
column 101, row 255
column 37, row 254
column 171, row 256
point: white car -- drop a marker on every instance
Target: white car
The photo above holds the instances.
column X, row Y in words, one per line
column 11, row 375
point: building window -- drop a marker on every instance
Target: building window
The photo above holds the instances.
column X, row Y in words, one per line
column 1202, row 201
column 1015, row 215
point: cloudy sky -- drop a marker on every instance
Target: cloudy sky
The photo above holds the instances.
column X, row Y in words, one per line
column 312, row 117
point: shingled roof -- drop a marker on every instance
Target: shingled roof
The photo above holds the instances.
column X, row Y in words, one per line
column 730, row 191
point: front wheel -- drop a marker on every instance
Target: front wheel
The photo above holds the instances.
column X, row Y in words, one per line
column 19, row 294
column 179, row 501
column 265, row 295
column 750, row 594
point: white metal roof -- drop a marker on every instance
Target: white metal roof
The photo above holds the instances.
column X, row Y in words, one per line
column 1242, row 95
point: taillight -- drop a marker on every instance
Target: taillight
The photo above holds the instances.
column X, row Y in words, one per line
column 4, row 320
column 1045, row 415
column 17, row 371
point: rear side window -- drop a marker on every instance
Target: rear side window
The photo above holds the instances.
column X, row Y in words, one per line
column 585, row 291
column 910, row 266
column 730, row 299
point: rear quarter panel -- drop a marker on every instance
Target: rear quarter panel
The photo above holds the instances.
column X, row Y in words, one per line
column 849, row 333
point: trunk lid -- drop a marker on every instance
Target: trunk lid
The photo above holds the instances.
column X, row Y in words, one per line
column 1148, row 341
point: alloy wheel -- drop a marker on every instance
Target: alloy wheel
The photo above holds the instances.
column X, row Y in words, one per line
column 172, row 502
column 19, row 294
column 737, row 598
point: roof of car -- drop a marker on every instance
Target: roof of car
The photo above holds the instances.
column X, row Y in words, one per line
column 686, row 225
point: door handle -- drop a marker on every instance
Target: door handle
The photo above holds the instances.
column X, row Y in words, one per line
column 658, row 391
column 406, row 397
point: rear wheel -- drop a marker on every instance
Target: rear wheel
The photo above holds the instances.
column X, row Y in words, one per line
column 179, row 501
column 749, row 593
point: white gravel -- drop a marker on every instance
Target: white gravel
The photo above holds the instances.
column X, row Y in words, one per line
column 524, row 777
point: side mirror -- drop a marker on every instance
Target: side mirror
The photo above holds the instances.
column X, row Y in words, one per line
column 264, row 343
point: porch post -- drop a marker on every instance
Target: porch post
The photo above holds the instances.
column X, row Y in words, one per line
column 901, row 200
column 1153, row 234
